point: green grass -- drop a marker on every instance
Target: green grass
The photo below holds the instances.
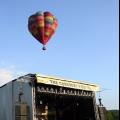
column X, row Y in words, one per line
column 113, row 115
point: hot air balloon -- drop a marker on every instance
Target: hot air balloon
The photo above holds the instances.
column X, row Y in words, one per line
column 42, row 26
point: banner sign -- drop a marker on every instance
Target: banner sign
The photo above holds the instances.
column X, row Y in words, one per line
column 66, row 83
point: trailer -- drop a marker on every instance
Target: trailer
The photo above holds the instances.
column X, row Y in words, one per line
column 38, row 97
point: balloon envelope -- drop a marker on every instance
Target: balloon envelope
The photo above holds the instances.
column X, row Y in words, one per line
column 42, row 26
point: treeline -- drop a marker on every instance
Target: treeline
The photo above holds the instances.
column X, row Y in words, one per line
column 113, row 115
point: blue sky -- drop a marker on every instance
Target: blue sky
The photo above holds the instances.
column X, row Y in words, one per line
column 84, row 47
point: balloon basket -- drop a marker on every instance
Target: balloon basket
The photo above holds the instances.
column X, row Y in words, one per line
column 44, row 48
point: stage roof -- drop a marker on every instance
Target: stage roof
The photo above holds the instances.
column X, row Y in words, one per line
column 66, row 83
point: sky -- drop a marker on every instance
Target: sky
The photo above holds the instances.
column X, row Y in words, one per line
column 84, row 46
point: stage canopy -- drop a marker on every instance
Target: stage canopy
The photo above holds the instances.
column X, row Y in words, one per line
column 66, row 83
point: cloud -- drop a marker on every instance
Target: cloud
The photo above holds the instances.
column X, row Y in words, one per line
column 9, row 73
column 6, row 75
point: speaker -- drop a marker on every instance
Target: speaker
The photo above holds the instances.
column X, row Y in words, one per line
column 102, row 113
column 21, row 118
column 21, row 111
